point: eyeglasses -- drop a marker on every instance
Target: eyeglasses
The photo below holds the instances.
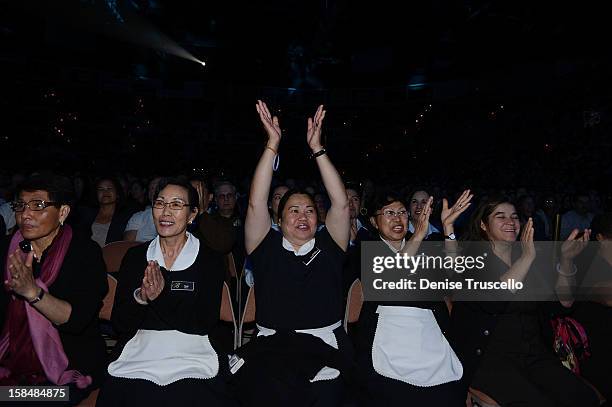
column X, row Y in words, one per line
column 35, row 205
column 390, row 214
column 174, row 205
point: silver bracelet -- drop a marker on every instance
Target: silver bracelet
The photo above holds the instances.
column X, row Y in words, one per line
column 572, row 274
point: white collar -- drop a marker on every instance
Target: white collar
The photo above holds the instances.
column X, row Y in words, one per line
column 303, row 250
column 359, row 224
column 185, row 258
column 391, row 246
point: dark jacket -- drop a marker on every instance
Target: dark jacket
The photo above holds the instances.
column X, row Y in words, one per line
column 82, row 283
column 87, row 216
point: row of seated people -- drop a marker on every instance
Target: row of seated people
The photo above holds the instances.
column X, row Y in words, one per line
column 169, row 294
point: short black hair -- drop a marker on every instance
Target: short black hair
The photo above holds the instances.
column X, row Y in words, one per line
column 285, row 198
column 59, row 188
column 192, row 194
column 383, row 198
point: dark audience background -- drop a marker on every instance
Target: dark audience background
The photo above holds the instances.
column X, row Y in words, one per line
column 488, row 95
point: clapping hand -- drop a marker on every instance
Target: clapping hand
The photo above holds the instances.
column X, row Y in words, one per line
column 21, row 280
column 421, row 222
column 153, row 282
column 526, row 240
column 313, row 135
column 270, row 124
column 450, row 215
column 574, row 245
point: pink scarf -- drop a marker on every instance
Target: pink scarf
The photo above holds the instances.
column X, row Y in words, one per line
column 45, row 338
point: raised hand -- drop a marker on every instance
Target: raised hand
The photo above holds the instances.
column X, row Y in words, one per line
column 574, row 245
column 270, row 124
column 313, row 135
column 153, row 282
column 354, row 230
column 21, row 280
column 450, row 215
column 526, row 240
column 421, row 223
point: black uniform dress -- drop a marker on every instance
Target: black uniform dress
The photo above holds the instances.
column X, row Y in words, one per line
column 295, row 292
column 501, row 346
column 379, row 390
column 188, row 305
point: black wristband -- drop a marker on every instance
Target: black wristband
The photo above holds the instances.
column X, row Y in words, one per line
column 318, row 153
column 39, row 297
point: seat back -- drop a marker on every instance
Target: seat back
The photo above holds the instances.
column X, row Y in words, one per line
column 226, row 313
column 109, row 299
column 480, row 399
column 248, row 314
column 113, row 254
column 354, row 302
column 90, row 401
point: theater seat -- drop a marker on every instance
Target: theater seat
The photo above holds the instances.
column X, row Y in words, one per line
column 90, row 401
column 226, row 313
column 354, row 303
column 113, row 254
column 479, row 399
column 249, row 313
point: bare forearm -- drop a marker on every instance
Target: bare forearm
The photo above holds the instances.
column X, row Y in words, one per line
column 518, row 271
column 332, row 181
column 262, row 178
column 55, row 310
column 566, row 283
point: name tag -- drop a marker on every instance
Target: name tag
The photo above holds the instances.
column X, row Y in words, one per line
column 182, row 286
column 312, row 257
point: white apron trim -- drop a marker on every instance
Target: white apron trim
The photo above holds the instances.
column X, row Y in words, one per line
column 164, row 357
column 409, row 346
column 326, row 334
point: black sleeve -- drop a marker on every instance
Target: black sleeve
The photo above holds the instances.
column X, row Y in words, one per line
column 88, row 286
column 2, row 228
column 127, row 314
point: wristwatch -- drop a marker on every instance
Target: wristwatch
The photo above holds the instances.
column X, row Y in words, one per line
column 450, row 236
column 318, row 153
column 39, row 297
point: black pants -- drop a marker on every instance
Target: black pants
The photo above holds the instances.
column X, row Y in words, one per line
column 538, row 380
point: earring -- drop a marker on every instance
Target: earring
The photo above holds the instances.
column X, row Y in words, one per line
column 190, row 222
column 61, row 223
